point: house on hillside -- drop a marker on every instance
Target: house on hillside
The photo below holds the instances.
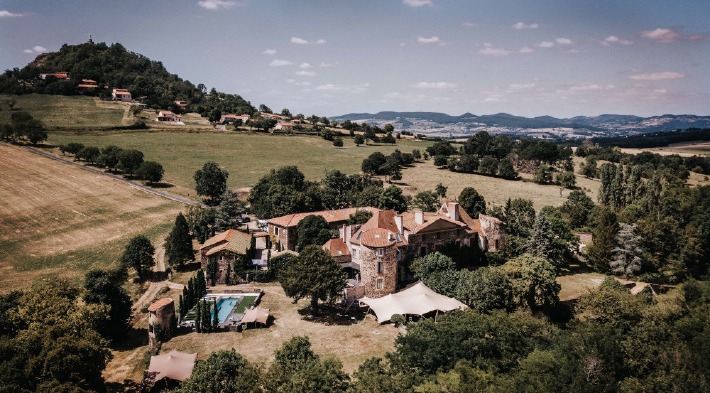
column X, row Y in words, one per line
column 229, row 246
column 56, row 75
column 121, row 95
column 374, row 251
column 181, row 104
column 232, row 119
column 168, row 116
column 160, row 313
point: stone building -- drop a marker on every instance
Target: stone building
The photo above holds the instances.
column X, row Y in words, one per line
column 161, row 312
column 224, row 248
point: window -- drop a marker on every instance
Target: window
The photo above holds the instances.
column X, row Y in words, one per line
column 422, row 251
column 438, row 235
column 380, row 284
column 380, row 267
column 276, row 231
column 380, row 252
column 355, row 253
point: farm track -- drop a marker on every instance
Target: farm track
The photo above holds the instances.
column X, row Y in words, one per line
column 147, row 189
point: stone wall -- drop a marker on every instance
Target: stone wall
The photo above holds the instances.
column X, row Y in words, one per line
column 286, row 237
column 369, row 274
column 224, row 259
column 161, row 316
column 433, row 241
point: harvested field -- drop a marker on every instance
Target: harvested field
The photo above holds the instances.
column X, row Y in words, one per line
column 69, row 112
column 57, row 219
column 685, row 149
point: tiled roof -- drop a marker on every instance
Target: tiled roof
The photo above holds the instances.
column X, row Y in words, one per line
column 381, row 220
column 330, row 216
column 157, row 305
column 336, row 247
column 232, row 239
column 378, row 237
column 430, row 219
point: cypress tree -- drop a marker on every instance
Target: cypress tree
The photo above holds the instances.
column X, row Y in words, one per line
column 198, row 318
column 178, row 245
column 228, row 275
column 190, row 293
column 215, row 317
column 618, row 200
column 606, row 228
column 607, row 173
column 182, row 307
column 206, row 320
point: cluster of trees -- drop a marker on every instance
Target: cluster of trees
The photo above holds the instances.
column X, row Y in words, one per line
column 285, row 191
column 655, row 227
column 128, row 161
column 50, row 340
column 389, row 166
column 116, row 67
column 195, row 290
column 370, row 133
column 206, row 316
column 23, row 126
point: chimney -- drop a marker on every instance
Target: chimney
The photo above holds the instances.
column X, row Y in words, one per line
column 399, row 222
column 453, row 211
column 342, row 231
column 419, row 217
column 348, row 233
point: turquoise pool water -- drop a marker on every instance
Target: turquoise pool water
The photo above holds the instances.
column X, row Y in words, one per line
column 225, row 307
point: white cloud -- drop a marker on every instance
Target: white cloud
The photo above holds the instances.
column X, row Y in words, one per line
column 306, row 73
column 546, row 44
column 590, row 87
column 305, row 65
column 428, row 40
column 658, row 76
column 216, row 4
column 8, row 14
column 563, row 41
column 301, row 41
column 269, row 52
column 297, row 83
column 435, row 85
column 490, row 50
column 279, row 63
column 525, row 26
column 468, row 24
column 526, row 49
column 327, row 65
column 36, row 49
column 614, row 40
column 349, row 88
column 518, row 86
column 662, row 35
column 417, row 3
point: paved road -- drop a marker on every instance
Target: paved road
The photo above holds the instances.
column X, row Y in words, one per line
column 150, row 190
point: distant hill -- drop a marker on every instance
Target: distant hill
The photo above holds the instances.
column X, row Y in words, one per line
column 113, row 66
column 580, row 126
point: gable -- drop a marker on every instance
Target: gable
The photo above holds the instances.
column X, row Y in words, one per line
column 439, row 224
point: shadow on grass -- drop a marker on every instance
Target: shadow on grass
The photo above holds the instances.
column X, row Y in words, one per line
column 132, row 339
column 333, row 315
column 160, row 185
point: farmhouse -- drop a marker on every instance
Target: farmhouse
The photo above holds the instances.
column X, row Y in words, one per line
column 168, row 116
column 232, row 119
column 374, row 251
column 228, row 247
column 56, row 75
column 88, row 84
column 121, row 95
column 181, row 104
column 160, row 313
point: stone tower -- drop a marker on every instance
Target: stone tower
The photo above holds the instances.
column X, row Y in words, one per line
column 378, row 262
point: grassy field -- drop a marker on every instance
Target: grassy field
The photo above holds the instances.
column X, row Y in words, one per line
column 685, row 149
column 425, row 176
column 68, row 112
column 247, row 157
column 56, row 219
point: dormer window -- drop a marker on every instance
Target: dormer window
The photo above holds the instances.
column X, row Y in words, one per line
column 380, row 252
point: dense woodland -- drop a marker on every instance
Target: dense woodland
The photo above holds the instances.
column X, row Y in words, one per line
column 113, row 66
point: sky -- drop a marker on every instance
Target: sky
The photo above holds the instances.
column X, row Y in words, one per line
column 560, row 58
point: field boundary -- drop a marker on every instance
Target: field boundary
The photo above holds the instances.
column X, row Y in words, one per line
column 147, row 189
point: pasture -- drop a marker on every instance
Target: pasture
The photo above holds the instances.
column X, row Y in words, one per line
column 60, row 220
column 68, row 112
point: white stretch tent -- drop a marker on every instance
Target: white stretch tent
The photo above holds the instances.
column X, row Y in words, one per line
column 415, row 300
column 174, row 365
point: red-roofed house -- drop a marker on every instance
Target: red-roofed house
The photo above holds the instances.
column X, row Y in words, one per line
column 232, row 119
column 162, row 313
column 168, row 116
column 121, row 95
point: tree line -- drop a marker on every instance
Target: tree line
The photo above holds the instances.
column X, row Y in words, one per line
column 128, row 161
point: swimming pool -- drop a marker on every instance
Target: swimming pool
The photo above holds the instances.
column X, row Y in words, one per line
column 225, row 307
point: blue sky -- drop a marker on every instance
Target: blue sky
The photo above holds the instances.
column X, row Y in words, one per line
column 328, row 57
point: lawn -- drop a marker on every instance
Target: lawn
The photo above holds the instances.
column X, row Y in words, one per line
column 246, row 156
column 59, row 220
column 67, row 112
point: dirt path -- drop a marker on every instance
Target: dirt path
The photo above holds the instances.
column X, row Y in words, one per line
column 155, row 286
column 150, row 190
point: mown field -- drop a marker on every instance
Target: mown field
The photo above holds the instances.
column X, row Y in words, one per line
column 67, row 112
column 685, row 149
column 246, row 156
column 60, row 220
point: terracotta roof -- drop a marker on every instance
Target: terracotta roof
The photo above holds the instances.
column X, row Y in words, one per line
column 430, row 219
column 378, row 237
column 157, row 305
column 91, row 81
column 381, row 220
column 474, row 225
column 166, row 113
column 87, row 86
column 336, row 247
column 232, row 240
column 330, row 216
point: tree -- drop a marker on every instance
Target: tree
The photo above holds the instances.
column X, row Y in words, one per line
column 109, row 156
column 606, row 226
column 371, row 165
column 543, row 174
column 359, row 217
column 284, row 191
column 626, row 256
column 338, row 142
column 106, row 287
column 441, row 160
column 89, row 154
column 211, row 181
column 392, row 198
column 416, row 154
column 472, row 202
column 285, row 112
column 485, row 289
column 359, row 140
column 223, row 371
column 506, row 169
column 130, row 160
column 519, row 216
column 315, row 275
column 488, row 166
column 577, row 208
column 228, row 212
column 567, row 179
column 139, row 255
column 178, row 245
column 589, row 167
column 542, row 242
column 441, row 190
column 533, row 280
column 432, row 263
column 426, row 201
column 388, row 128
column 150, row 171
column 312, row 229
